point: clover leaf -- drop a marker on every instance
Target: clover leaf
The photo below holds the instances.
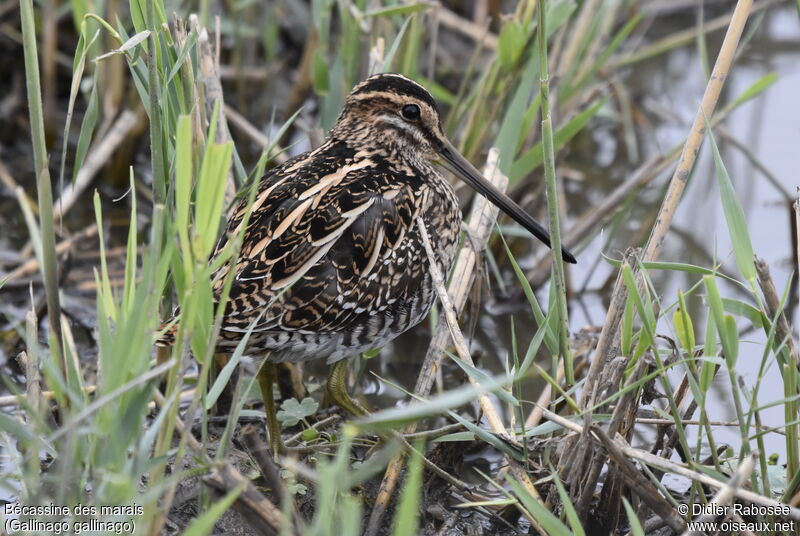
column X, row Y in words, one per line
column 292, row 411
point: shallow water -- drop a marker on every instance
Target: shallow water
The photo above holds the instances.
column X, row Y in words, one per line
column 768, row 126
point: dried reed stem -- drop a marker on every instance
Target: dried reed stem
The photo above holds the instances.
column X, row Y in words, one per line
column 481, row 222
column 489, row 411
column 670, row 466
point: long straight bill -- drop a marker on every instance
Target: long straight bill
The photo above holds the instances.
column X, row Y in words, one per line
column 467, row 172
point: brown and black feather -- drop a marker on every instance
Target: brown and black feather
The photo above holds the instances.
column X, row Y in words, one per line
column 332, row 262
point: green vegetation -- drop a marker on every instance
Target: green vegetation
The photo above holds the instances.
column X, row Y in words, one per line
column 130, row 429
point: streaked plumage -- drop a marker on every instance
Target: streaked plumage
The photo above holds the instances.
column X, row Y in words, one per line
column 341, row 218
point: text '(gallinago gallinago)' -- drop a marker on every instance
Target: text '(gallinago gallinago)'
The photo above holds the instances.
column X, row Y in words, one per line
column 332, row 263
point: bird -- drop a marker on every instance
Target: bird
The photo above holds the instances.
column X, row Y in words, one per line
column 332, row 263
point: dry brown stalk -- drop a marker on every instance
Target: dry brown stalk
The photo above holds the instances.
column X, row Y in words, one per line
column 682, row 37
column 259, row 452
column 783, row 332
column 257, row 510
column 212, row 86
column 544, row 399
column 596, row 216
column 638, row 484
column 482, row 218
column 477, row 32
column 581, row 28
column 32, row 265
column 488, row 409
column 670, row 466
column 591, row 464
column 33, row 385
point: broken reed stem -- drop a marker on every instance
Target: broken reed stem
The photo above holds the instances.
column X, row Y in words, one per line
column 676, row 186
column 783, row 332
column 489, row 411
column 479, row 229
column 670, row 466
column 552, row 203
column 495, row 423
column 638, row 484
column 212, row 85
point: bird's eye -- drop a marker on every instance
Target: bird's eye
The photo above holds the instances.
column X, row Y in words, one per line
column 410, row 112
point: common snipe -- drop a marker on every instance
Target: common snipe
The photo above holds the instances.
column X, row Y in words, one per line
column 332, row 263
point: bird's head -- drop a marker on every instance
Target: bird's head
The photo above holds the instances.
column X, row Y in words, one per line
column 394, row 114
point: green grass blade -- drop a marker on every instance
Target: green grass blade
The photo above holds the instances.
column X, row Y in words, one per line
column 633, row 521
column 211, row 192
column 549, row 522
column 734, row 216
column 729, row 338
column 397, row 416
column 511, row 44
column 483, row 378
column 390, row 54
column 508, row 138
column 758, row 87
column 77, row 76
column 708, row 368
column 550, row 337
column 225, row 374
column 133, row 241
column 406, row 521
column 569, row 508
column 684, row 325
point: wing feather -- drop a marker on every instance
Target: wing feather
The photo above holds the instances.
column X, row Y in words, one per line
column 317, row 256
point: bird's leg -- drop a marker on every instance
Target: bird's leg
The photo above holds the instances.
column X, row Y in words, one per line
column 267, row 375
column 336, row 386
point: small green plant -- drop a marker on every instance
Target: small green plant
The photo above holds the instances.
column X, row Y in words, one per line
column 292, row 411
